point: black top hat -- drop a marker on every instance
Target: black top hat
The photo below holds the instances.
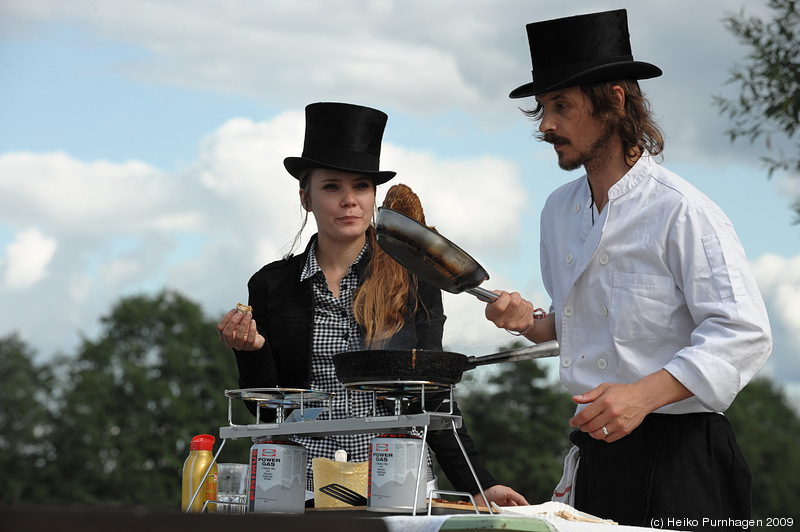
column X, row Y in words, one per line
column 344, row 137
column 581, row 50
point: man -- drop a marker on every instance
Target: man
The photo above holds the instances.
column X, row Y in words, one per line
column 654, row 305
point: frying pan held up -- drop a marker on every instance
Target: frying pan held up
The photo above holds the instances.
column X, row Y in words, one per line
column 429, row 255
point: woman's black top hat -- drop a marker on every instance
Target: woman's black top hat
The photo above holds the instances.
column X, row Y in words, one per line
column 342, row 136
column 581, row 50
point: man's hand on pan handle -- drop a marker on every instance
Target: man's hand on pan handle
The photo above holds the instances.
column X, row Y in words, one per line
column 510, row 311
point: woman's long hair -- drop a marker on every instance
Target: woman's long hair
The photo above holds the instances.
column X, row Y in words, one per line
column 387, row 295
column 389, row 292
column 635, row 124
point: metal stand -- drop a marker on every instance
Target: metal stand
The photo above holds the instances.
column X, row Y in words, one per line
column 281, row 398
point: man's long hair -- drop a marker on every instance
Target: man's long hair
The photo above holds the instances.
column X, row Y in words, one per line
column 635, row 124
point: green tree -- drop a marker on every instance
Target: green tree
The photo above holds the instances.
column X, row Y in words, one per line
column 519, row 423
column 768, row 430
column 23, row 420
column 768, row 105
column 132, row 401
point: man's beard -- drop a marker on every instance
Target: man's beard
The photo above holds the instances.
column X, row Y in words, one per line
column 596, row 155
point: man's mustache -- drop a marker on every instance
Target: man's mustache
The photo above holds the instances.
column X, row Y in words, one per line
column 552, row 138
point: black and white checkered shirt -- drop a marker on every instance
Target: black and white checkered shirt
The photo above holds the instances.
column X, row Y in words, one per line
column 335, row 331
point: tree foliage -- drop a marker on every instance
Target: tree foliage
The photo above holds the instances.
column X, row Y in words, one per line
column 23, row 419
column 132, row 400
column 768, row 105
column 768, row 430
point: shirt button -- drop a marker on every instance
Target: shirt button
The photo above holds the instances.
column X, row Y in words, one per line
column 568, row 311
column 577, row 208
column 569, row 258
column 604, row 259
column 566, row 362
column 604, row 311
column 601, row 363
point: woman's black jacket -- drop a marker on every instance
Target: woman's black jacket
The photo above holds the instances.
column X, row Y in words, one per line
column 284, row 312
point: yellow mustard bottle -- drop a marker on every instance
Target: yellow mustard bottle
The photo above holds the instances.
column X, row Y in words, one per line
column 200, row 458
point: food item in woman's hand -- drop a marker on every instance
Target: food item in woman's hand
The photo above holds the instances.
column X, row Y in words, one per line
column 244, row 309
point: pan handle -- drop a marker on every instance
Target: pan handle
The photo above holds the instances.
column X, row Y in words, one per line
column 542, row 350
column 487, row 296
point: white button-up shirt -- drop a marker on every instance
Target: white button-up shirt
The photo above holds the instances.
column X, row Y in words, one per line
column 658, row 281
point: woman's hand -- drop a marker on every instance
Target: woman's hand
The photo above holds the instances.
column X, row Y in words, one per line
column 238, row 331
column 502, row 496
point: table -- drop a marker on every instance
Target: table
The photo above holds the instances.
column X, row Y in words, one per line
column 38, row 519
column 464, row 523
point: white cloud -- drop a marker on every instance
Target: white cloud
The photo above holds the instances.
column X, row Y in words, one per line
column 789, row 184
column 779, row 281
column 91, row 198
column 120, row 272
column 78, row 290
column 125, row 227
column 416, row 56
column 779, row 278
column 26, row 259
column 474, row 202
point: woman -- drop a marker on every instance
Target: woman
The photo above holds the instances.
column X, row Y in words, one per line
column 308, row 307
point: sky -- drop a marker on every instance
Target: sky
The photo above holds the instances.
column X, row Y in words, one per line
column 141, row 146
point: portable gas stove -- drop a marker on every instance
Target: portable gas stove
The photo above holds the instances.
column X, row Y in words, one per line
column 308, row 420
column 300, row 400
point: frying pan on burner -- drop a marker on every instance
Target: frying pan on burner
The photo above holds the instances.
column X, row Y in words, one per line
column 429, row 255
column 441, row 367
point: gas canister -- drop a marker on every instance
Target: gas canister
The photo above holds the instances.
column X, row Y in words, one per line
column 277, row 476
column 394, row 463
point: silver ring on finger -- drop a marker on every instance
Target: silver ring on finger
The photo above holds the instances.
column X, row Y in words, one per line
column 605, row 431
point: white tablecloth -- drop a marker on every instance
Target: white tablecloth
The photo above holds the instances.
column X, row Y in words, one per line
column 434, row 523
column 419, row 523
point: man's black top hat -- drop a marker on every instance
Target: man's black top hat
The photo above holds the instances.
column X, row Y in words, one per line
column 342, row 136
column 581, row 50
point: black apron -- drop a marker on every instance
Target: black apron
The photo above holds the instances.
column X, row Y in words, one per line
column 673, row 471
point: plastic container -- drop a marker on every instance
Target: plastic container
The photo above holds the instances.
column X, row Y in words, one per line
column 338, row 483
column 200, row 459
